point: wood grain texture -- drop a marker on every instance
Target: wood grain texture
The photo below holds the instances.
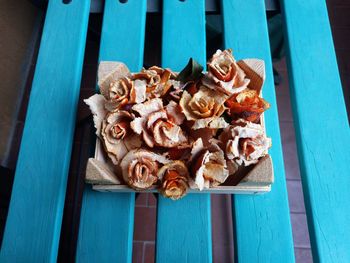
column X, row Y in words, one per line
column 107, row 219
column 34, row 220
column 322, row 129
column 184, row 226
column 263, row 229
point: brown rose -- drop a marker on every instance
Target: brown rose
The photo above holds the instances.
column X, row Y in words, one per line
column 156, row 127
column 204, row 108
column 125, row 91
column 158, row 80
column 245, row 142
column 247, row 105
column 140, row 168
column 174, row 180
column 117, row 136
column 224, row 74
column 208, row 165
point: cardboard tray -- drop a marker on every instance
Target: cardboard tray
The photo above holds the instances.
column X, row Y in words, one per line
column 253, row 179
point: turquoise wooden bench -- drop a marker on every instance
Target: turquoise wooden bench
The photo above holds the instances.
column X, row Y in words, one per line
column 262, row 223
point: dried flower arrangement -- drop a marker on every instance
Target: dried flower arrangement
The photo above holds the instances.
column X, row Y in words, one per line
column 179, row 131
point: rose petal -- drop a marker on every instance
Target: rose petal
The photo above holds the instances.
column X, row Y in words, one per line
column 146, row 108
column 153, row 117
column 174, row 112
column 138, row 93
column 96, row 104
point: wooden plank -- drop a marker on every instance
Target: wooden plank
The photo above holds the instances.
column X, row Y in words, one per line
column 34, row 220
column 322, row 128
column 184, row 226
column 263, row 230
column 107, row 219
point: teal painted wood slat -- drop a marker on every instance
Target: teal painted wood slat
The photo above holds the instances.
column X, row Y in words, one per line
column 322, row 128
column 184, row 226
column 263, row 230
column 107, row 219
column 34, row 220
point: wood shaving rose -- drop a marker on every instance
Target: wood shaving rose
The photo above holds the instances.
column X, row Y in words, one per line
column 174, row 180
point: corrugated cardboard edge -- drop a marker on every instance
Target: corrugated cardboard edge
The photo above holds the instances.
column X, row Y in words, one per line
column 255, row 71
column 98, row 172
column 261, row 174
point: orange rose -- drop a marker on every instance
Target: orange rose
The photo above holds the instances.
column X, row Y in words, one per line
column 174, row 180
column 247, row 105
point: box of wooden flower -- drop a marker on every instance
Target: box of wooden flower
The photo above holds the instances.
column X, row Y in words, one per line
column 175, row 153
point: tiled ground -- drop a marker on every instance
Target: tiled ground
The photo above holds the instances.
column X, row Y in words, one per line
column 145, row 213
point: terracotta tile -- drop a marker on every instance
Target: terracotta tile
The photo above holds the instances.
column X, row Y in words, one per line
column 303, row 255
column 295, row 196
column 222, row 229
column 145, row 224
column 148, row 254
column 141, row 200
column 291, row 162
column 137, row 252
column 280, row 65
column 284, row 108
column 283, row 87
column 152, row 200
column 300, row 230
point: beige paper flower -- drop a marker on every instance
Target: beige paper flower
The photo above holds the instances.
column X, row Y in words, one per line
column 117, row 136
column 224, row 74
column 155, row 126
column 245, row 142
column 174, row 180
column 204, row 108
column 140, row 168
column 208, row 166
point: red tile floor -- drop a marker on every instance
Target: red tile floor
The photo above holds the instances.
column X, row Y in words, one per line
column 145, row 211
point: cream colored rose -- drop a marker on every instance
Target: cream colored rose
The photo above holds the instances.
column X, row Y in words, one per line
column 209, row 166
column 204, row 108
column 224, row 74
column 174, row 180
column 117, row 136
column 245, row 142
column 140, row 168
column 156, row 127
